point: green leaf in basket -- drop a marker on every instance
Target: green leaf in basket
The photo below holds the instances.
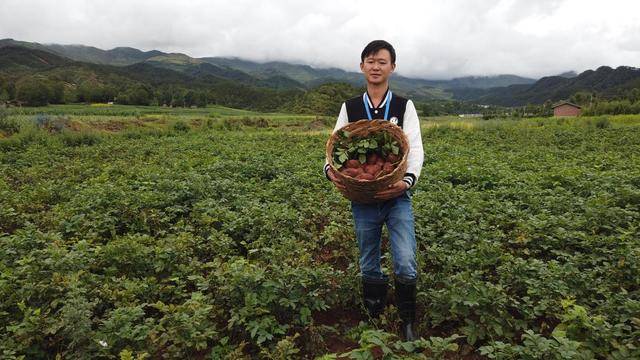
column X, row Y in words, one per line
column 362, row 158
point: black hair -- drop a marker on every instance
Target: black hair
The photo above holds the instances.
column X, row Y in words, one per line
column 375, row 46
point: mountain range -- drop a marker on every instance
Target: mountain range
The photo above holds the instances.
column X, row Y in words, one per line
column 605, row 81
column 275, row 74
column 157, row 67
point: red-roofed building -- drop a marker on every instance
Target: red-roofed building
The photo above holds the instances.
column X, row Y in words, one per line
column 566, row 108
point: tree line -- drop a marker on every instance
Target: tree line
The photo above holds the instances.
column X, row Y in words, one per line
column 321, row 100
column 33, row 91
column 628, row 102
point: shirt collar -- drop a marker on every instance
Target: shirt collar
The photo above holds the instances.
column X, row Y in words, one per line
column 384, row 99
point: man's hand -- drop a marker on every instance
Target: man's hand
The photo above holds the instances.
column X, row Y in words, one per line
column 394, row 190
column 335, row 180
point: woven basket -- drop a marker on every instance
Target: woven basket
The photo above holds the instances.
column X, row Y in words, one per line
column 362, row 191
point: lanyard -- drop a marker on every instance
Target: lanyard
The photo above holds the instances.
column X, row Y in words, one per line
column 365, row 99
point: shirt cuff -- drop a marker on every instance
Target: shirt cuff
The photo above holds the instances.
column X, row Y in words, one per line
column 326, row 171
column 410, row 179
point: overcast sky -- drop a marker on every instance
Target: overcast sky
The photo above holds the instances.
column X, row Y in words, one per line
column 433, row 39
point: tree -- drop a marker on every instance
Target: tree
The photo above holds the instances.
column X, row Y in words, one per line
column 190, row 98
column 136, row 95
column 634, row 95
column 33, row 92
column 57, row 93
column 11, row 90
column 177, row 98
column 582, row 98
column 325, row 99
column 201, row 99
column 84, row 91
column 429, row 109
column 4, row 96
column 164, row 96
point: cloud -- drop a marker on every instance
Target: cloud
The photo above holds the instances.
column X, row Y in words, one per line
column 433, row 39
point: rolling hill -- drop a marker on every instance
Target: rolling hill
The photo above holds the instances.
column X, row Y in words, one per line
column 118, row 56
column 273, row 74
column 605, row 81
column 122, row 65
column 156, row 81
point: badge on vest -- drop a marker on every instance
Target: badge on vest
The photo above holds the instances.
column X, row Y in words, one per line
column 394, row 120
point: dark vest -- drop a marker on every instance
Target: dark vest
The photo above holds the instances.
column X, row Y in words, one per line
column 356, row 111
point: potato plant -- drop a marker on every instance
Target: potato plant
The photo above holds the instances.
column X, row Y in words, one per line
column 230, row 243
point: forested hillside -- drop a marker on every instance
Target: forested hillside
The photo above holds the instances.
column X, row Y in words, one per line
column 35, row 77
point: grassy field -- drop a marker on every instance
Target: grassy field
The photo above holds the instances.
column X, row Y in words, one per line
column 141, row 232
column 129, row 110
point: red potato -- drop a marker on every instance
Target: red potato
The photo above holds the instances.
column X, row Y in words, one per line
column 348, row 172
column 386, row 169
column 372, row 169
column 372, row 159
column 353, row 164
column 365, row 176
column 392, row 158
column 352, row 172
column 380, row 162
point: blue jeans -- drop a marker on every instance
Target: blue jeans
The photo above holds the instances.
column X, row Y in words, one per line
column 368, row 220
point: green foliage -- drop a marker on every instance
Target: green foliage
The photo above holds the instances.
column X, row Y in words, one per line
column 536, row 346
column 185, row 328
column 285, row 349
column 218, row 243
column 265, row 308
column 92, row 92
column 128, row 355
column 583, row 98
column 453, row 107
column 57, row 93
column 375, row 342
column 181, row 126
column 351, row 147
column 33, row 92
column 602, row 123
column 325, row 99
column 136, row 95
column 8, row 126
column 4, row 96
column 613, row 107
column 86, row 138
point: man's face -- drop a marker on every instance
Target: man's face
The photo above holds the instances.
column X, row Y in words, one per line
column 377, row 67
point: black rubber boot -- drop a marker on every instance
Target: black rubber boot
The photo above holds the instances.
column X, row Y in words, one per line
column 374, row 294
column 406, row 302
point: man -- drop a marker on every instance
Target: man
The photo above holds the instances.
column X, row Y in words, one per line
column 378, row 61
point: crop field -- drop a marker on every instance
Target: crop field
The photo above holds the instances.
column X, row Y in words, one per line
column 151, row 233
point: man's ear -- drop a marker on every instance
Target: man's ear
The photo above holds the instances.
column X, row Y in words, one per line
column 393, row 67
column 362, row 67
